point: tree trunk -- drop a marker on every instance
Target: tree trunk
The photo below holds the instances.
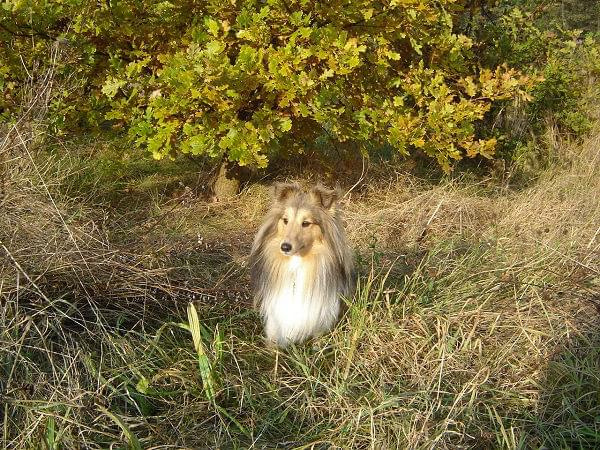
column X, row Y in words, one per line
column 227, row 182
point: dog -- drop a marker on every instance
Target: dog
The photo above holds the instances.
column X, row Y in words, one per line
column 301, row 264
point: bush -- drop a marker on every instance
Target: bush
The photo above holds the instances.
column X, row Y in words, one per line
column 251, row 79
column 544, row 42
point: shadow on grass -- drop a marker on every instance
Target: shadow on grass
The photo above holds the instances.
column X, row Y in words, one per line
column 568, row 413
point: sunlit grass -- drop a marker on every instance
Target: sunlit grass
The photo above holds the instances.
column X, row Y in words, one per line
column 474, row 324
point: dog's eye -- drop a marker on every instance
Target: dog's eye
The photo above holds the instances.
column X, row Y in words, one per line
column 285, row 221
column 305, row 224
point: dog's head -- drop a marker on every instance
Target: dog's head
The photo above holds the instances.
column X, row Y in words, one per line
column 302, row 216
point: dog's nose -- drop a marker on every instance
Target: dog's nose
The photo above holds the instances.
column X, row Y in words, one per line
column 286, row 247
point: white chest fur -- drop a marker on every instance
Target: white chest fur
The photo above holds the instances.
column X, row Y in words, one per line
column 300, row 304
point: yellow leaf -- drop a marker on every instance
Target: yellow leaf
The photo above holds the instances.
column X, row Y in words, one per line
column 327, row 74
column 419, row 142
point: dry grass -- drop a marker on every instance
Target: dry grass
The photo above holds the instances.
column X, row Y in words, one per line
column 475, row 323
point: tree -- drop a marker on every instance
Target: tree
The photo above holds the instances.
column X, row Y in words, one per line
column 246, row 79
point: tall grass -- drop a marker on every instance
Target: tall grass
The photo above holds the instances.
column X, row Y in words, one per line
column 475, row 323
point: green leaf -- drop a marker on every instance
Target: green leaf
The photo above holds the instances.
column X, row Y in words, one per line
column 212, row 25
column 142, row 385
column 285, row 124
column 111, row 86
column 206, row 372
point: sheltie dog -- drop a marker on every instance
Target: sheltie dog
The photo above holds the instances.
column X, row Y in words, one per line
column 301, row 264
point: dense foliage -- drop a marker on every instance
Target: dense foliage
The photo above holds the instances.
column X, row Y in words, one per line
column 250, row 79
column 559, row 41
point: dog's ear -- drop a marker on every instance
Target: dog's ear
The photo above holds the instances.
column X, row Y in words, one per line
column 283, row 191
column 326, row 198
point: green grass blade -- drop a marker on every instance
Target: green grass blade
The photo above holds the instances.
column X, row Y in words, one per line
column 133, row 442
column 206, row 371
